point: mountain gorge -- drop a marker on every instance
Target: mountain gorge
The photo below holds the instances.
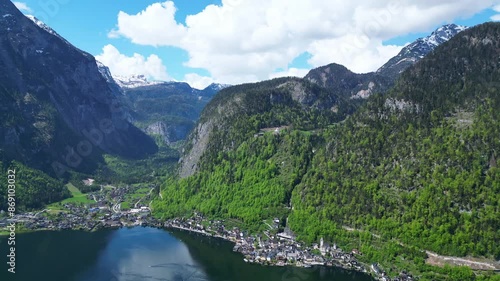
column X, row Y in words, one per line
column 416, row 166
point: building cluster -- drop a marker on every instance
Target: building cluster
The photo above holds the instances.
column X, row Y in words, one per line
column 281, row 249
column 83, row 218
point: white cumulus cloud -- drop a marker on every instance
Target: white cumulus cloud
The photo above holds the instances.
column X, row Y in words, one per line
column 295, row 72
column 122, row 65
column 154, row 26
column 497, row 16
column 23, row 7
column 247, row 40
column 197, row 81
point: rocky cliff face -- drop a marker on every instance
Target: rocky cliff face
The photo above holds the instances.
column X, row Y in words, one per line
column 170, row 132
column 55, row 102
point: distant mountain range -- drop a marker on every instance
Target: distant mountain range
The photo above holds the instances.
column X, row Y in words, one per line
column 160, row 108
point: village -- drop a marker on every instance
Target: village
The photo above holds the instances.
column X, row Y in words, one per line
column 281, row 249
column 102, row 209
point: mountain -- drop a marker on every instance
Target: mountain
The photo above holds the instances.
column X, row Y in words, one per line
column 165, row 109
column 134, row 81
column 57, row 112
column 106, row 73
column 212, row 89
column 241, row 111
column 411, row 171
column 162, row 109
column 417, row 50
column 47, row 28
column 347, row 83
column 361, row 86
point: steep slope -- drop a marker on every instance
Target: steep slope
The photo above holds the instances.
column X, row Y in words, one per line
column 241, row 111
column 416, row 168
column 106, row 73
column 57, row 110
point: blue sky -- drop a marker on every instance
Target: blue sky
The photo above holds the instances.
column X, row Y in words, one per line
column 288, row 43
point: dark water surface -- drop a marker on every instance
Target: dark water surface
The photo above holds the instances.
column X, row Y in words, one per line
column 141, row 253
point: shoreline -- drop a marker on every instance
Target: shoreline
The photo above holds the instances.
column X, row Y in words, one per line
column 351, row 265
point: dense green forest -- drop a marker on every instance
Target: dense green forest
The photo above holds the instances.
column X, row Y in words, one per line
column 417, row 166
column 33, row 188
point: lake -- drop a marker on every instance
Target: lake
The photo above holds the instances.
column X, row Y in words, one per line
column 143, row 253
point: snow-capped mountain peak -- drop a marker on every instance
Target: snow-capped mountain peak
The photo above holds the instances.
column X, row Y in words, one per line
column 415, row 51
column 443, row 34
column 43, row 26
column 134, row 81
column 47, row 28
column 217, row 86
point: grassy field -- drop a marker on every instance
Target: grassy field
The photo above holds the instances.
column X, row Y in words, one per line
column 76, row 197
column 125, row 205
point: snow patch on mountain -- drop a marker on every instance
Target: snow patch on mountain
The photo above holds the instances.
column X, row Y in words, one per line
column 134, row 81
column 42, row 25
column 217, row 86
column 417, row 50
column 47, row 28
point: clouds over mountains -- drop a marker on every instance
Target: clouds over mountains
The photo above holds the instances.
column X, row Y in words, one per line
column 248, row 40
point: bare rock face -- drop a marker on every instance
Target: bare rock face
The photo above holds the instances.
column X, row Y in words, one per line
column 199, row 143
column 54, row 97
column 170, row 132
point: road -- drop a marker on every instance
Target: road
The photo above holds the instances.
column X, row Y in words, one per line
column 44, row 210
column 439, row 260
column 116, row 208
column 135, row 205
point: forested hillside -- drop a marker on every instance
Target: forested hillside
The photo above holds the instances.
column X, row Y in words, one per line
column 420, row 164
column 241, row 111
column 32, row 188
column 417, row 166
